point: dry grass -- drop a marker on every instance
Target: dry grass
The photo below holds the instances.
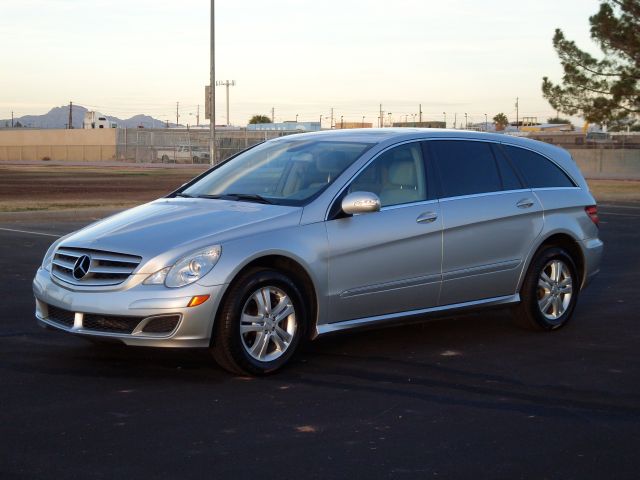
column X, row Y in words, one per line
column 615, row 190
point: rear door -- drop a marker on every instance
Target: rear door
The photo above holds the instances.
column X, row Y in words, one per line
column 388, row 261
column 490, row 220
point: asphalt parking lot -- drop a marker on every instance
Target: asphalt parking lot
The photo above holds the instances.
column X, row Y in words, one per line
column 464, row 397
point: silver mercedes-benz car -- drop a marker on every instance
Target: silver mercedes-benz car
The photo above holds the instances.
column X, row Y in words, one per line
column 316, row 233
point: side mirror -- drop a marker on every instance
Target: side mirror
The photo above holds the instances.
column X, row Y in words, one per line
column 360, row 202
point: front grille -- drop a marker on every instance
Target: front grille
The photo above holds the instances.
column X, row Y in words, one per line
column 164, row 324
column 60, row 315
column 99, row 268
column 109, row 323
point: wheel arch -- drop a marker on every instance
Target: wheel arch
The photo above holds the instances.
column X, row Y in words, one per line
column 562, row 239
column 289, row 266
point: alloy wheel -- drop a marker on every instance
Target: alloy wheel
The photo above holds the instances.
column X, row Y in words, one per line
column 267, row 324
column 555, row 289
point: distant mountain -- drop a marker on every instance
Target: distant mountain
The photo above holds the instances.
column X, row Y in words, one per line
column 58, row 117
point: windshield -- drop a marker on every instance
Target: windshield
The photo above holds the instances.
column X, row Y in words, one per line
column 287, row 172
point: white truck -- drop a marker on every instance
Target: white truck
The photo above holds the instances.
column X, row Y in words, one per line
column 183, row 154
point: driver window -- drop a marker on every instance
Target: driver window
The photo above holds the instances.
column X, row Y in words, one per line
column 397, row 176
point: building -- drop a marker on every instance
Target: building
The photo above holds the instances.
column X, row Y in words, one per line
column 429, row 124
column 344, row 125
column 93, row 119
column 286, row 126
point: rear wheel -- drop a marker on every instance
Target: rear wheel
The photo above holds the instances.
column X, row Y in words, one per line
column 549, row 292
column 261, row 323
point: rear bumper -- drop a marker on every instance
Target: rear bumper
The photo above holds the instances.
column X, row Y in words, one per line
column 193, row 329
column 592, row 249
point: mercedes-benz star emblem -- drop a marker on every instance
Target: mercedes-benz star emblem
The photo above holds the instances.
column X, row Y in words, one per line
column 81, row 267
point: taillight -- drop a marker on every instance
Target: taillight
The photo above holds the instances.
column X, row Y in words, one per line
column 592, row 211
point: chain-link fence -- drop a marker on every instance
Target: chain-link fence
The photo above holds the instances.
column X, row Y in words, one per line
column 185, row 146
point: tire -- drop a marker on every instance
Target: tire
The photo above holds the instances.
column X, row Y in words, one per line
column 262, row 347
column 549, row 292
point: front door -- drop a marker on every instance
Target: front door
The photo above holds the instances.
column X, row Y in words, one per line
column 388, row 261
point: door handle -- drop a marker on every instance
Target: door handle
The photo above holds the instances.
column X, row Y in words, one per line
column 427, row 217
column 525, row 203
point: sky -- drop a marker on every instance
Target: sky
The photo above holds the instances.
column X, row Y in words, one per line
column 301, row 57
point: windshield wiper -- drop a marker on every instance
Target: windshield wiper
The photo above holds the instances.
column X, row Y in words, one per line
column 249, row 197
column 185, row 195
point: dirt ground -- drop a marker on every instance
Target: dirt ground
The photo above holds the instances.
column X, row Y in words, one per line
column 76, row 189
column 24, row 188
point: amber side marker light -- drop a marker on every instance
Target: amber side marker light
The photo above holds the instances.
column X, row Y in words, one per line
column 198, row 300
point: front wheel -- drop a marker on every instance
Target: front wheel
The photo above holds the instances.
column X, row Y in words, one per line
column 549, row 292
column 260, row 325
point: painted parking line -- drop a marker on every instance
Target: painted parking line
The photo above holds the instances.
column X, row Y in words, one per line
column 606, row 214
column 30, row 232
column 608, row 205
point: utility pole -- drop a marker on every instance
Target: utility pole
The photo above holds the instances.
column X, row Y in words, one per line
column 445, row 119
column 320, row 122
column 331, row 126
column 296, row 118
column 273, row 115
column 198, row 116
column 420, row 113
column 466, row 124
column 486, row 123
column 381, row 117
column 226, row 83
column 517, row 114
column 70, row 125
column 455, row 120
column 11, row 118
column 212, row 82
column 177, row 114
column 341, row 122
column 363, row 121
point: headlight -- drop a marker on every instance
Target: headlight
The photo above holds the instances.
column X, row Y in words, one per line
column 48, row 257
column 188, row 269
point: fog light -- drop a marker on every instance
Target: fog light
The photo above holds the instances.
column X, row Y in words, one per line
column 198, row 300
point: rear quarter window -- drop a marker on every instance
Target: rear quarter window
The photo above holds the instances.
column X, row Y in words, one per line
column 537, row 171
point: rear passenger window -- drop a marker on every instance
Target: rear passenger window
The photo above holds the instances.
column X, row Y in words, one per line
column 510, row 180
column 537, row 171
column 465, row 167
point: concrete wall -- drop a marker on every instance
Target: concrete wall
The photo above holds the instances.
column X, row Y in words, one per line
column 608, row 163
column 72, row 145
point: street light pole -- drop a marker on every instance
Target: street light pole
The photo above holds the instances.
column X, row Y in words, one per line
column 212, row 88
column 486, row 123
column 445, row 119
column 226, row 83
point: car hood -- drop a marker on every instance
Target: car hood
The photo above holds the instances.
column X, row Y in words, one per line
column 174, row 226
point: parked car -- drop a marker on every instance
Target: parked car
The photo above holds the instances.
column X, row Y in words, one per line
column 183, row 154
column 316, row 233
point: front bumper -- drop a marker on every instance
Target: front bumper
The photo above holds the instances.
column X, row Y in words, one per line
column 193, row 329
